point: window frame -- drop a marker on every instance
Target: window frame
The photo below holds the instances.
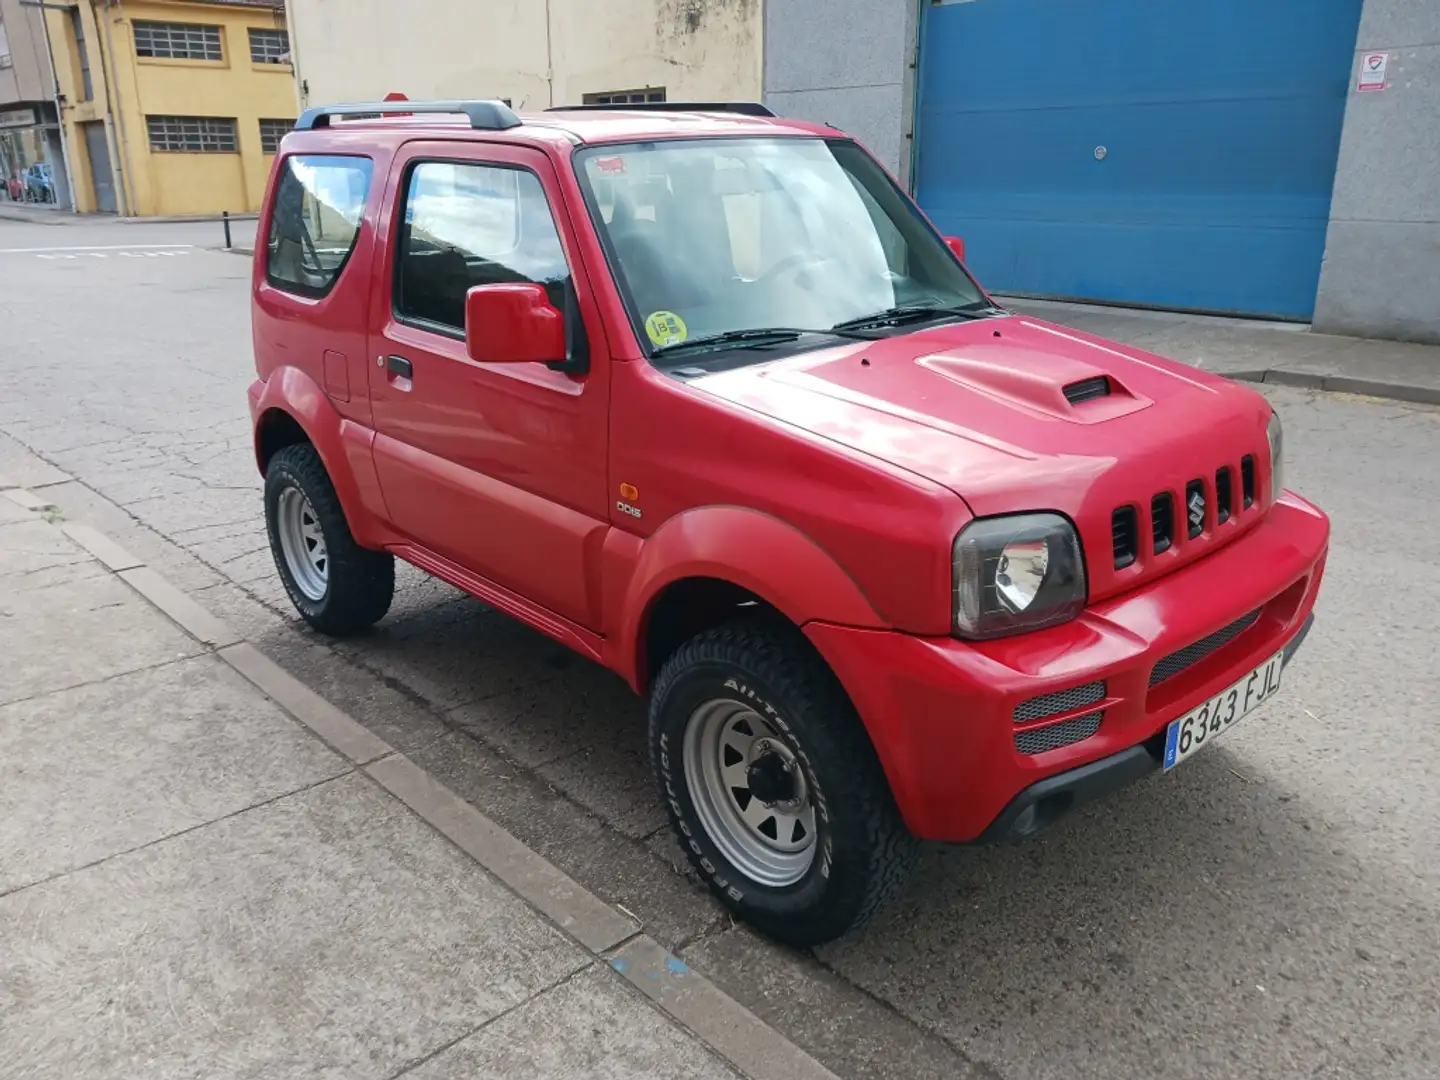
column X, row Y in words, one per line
column 263, row 31
column 640, row 96
column 289, row 127
column 309, row 292
column 151, row 118
column 170, row 25
column 576, row 338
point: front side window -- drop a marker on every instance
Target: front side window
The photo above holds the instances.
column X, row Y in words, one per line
column 466, row 225
column 712, row 236
column 319, row 203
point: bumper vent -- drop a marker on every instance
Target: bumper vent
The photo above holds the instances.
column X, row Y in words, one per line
column 1087, row 389
column 1039, row 740
column 1247, row 480
column 1076, row 697
column 1192, row 654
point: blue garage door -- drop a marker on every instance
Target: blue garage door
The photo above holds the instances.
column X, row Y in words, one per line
column 1174, row 153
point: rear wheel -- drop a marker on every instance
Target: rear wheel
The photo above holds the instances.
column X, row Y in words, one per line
column 338, row 587
column 772, row 784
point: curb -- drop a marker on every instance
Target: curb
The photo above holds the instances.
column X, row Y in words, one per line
column 753, row 1047
column 1340, row 384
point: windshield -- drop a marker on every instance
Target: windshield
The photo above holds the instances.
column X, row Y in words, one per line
column 712, row 236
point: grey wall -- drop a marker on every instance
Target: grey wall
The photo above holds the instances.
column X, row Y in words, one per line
column 845, row 62
column 29, row 77
column 1381, row 276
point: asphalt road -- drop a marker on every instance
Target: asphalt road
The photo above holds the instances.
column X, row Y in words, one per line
column 1267, row 910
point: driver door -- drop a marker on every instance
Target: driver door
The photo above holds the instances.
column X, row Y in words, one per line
column 500, row 468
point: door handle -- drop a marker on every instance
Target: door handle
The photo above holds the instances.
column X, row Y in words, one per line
column 398, row 365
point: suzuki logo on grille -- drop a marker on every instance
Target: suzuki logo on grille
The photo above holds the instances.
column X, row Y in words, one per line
column 1197, row 509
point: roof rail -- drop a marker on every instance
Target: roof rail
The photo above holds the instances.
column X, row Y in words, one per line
column 483, row 115
column 744, row 108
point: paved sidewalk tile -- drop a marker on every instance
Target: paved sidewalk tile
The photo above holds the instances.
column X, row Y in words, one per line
column 99, row 769
column 329, row 933
column 589, row 1028
column 28, row 546
column 87, row 627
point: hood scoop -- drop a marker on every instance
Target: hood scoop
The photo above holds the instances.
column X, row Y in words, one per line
column 1055, row 386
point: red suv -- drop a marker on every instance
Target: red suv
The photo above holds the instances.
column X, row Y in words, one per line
column 701, row 393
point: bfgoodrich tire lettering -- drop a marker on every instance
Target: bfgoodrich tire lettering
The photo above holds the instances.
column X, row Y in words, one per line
column 863, row 853
column 358, row 584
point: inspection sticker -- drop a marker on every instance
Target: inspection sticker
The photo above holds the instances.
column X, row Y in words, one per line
column 666, row 328
column 1372, row 71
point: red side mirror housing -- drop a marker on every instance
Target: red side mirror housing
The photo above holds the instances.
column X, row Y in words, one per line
column 513, row 324
column 955, row 244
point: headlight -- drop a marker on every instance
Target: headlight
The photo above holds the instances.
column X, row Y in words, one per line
column 1018, row 573
column 1277, row 456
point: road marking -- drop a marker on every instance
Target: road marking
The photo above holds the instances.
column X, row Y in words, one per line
column 107, row 254
column 97, row 247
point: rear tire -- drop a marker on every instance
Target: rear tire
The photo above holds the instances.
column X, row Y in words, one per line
column 772, row 785
column 338, row 587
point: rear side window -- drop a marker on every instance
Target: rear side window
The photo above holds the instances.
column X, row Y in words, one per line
column 319, row 202
column 470, row 224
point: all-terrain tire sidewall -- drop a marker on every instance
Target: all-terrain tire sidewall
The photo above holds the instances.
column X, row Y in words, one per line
column 360, row 584
column 863, row 853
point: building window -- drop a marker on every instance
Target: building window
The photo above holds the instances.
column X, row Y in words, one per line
column 314, row 221
column 77, row 27
column 192, row 134
column 626, row 97
column 4, row 48
column 269, row 46
column 178, row 41
column 271, row 132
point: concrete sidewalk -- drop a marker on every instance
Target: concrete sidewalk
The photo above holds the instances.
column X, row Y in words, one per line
column 207, row 870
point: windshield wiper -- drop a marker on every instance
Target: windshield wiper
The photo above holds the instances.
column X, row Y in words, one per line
column 908, row 313
column 757, row 335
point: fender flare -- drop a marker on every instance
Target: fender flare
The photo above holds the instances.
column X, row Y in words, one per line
column 749, row 548
column 343, row 446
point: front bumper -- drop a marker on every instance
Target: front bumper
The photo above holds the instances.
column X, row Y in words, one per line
column 942, row 713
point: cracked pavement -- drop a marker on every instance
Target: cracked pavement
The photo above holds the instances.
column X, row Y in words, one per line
column 1269, row 909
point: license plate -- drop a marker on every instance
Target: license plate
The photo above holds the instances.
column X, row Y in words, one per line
column 1202, row 726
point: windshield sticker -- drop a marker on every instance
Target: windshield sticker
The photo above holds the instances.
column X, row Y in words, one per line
column 666, row 328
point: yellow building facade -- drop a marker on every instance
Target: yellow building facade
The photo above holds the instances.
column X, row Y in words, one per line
column 172, row 107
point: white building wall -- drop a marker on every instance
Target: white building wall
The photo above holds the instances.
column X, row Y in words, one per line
column 536, row 52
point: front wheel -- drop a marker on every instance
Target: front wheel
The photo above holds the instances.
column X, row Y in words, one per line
column 772, row 784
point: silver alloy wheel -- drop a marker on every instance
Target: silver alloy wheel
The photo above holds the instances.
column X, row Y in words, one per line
column 302, row 542
column 749, row 792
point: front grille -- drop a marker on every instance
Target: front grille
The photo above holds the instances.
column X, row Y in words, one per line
column 1192, row 654
column 1125, row 536
column 1195, row 509
column 1086, row 389
column 1039, row 740
column 1162, row 521
column 1223, row 496
column 1075, row 697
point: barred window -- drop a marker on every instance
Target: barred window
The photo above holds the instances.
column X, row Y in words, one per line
column 178, row 41
column 192, row 134
column 626, row 97
column 269, row 46
column 271, row 132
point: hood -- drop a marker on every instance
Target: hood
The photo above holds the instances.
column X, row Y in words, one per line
column 1014, row 413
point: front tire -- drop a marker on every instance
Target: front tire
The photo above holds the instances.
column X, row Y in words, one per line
column 338, row 587
column 773, row 786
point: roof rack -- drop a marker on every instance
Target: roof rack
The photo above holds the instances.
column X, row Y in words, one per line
column 483, row 115
column 744, row 108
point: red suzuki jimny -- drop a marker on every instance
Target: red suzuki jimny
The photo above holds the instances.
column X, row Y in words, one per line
column 700, row 393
